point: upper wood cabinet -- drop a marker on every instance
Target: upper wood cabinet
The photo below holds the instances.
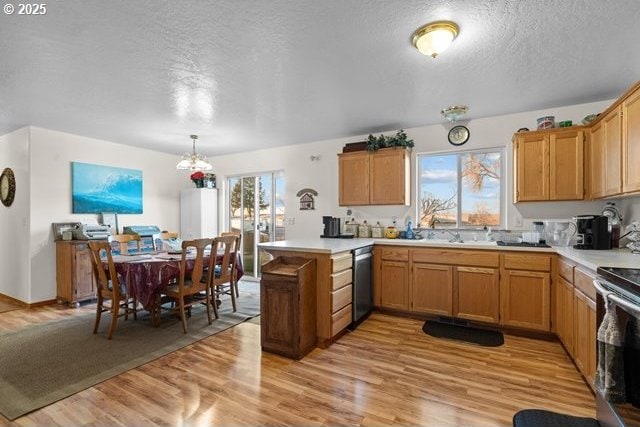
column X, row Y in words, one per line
column 374, row 178
column 548, row 165
column 631, row 142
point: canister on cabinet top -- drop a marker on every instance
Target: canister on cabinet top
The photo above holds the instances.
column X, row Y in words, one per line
column 364, row 230
column 377, row 231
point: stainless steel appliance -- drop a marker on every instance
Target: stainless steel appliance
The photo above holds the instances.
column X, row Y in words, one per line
column 362, row 284
column 620, row 286
column 592, row 232
column 332, row 228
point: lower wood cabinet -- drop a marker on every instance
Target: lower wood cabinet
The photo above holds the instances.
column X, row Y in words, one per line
column 565, row 313
column 394, row 288
column 432, row 289
column 477, row 294
column 584, row 354
column 74, row 272
column 525, row 299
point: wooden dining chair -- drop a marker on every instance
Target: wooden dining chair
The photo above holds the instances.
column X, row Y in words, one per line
column 109, row 288
column 187, row 292
column 223, row 264
column 235, row 272
column 124, row 239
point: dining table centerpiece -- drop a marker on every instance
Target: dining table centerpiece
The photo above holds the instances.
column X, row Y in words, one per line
column 198, row 179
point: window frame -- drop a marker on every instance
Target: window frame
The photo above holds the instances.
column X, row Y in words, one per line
column 459, row 154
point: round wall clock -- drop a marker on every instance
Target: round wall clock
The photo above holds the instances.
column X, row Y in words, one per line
column 458, row 135
column 7, row 187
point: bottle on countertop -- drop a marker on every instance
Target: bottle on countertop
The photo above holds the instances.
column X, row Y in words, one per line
column 490, row 235
column 409, row 231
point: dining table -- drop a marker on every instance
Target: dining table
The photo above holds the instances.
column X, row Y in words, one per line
column 146, row 275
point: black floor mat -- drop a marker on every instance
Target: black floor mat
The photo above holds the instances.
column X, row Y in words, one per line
column 542, row 418
column 468, row 334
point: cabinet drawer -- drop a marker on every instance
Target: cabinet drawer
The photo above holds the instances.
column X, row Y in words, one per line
column 584, row 282
column 341, row 261
column 340, row 320
column 340, row 298
column 452, row 257
column 338, row 280
column 527, row 261
column 565, row 270
column 394, row 254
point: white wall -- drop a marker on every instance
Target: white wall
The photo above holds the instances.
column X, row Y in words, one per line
column 14, row 220
column 51, row 154
column 322, row 175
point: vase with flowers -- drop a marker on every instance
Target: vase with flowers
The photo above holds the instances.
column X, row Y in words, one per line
column 198, row 179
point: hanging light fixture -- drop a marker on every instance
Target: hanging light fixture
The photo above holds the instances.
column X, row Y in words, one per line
column 432, row 39
column 194, row 161
column 454, row 112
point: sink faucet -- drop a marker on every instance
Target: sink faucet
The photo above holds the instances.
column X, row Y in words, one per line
column 456, row 236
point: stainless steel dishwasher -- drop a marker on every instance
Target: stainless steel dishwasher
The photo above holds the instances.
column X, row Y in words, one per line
column 362, row 284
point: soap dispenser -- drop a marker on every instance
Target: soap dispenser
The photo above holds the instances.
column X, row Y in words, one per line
column 409, row 230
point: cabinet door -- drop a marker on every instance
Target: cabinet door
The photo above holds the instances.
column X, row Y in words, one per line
column 612, row 124
column 532, row 167
column 631, row 143
column 83, row 280
column 389, row 177
column 597, row 160
column 476, row 294
column 585, row 335
column 394, row 285
column 432, row 289
column 525, row 299
column 353, row 179
column 566, row 165
column 565, row 313
column 278, row 303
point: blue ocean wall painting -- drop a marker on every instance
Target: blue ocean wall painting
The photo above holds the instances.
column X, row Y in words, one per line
column 97, row 188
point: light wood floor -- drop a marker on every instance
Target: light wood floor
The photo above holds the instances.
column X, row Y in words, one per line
column 386, row 372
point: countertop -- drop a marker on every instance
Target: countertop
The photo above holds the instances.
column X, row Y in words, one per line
column 587, row 258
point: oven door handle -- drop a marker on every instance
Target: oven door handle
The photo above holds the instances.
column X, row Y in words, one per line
column 622, row 302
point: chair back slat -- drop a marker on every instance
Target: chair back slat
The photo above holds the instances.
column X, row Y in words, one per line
column 223, row 259
column 104, row 277
column 198, row 271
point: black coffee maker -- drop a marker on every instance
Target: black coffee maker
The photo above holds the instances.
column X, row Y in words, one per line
column 592, row 232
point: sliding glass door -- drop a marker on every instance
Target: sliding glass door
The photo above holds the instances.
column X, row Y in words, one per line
column 256, row 210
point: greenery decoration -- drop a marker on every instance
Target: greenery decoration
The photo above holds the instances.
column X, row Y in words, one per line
column 399, row 140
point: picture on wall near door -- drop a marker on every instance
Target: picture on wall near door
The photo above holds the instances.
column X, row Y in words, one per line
column 98, row 188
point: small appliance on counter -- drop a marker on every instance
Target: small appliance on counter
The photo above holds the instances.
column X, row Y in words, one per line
column 592, row 232
column 332, row 229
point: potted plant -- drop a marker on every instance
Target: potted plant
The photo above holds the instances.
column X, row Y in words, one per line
column 399, row 140
column 198, row 179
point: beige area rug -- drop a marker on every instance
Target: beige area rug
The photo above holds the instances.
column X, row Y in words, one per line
column 44, row 363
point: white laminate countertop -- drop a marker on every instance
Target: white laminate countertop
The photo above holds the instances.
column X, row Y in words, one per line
column 622, row 258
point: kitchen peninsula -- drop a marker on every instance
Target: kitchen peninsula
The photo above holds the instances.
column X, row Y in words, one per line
column 531, row 290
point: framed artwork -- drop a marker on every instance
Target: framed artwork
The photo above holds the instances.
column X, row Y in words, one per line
column 98, row 188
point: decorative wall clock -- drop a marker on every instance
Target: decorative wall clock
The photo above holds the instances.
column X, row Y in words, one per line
column 7, row 187
column 458, row 135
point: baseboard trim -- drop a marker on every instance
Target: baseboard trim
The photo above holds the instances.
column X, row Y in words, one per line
column 23, row 304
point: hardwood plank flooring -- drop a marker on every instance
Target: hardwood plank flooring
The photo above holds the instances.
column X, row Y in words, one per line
column 387, row 372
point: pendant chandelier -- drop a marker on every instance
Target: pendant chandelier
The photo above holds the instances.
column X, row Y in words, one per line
column 194, row 161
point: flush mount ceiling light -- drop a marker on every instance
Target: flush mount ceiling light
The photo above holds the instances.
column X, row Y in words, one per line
column 432, row 39
column 454, row 112
column 194, row 161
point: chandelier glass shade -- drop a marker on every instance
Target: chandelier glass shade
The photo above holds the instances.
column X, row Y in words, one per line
column 454, row 112
column 194, row 161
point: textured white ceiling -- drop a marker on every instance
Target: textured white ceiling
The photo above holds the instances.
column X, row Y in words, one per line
column 249, row 74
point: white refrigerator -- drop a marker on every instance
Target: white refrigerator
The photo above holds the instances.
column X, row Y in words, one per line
column 198, row 213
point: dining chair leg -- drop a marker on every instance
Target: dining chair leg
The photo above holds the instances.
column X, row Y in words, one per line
column 214, row 302
column 207, row 301
column 98, row 315
column 235, row 287
column 183, row 315
column 115, row 309
column 233, row 298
